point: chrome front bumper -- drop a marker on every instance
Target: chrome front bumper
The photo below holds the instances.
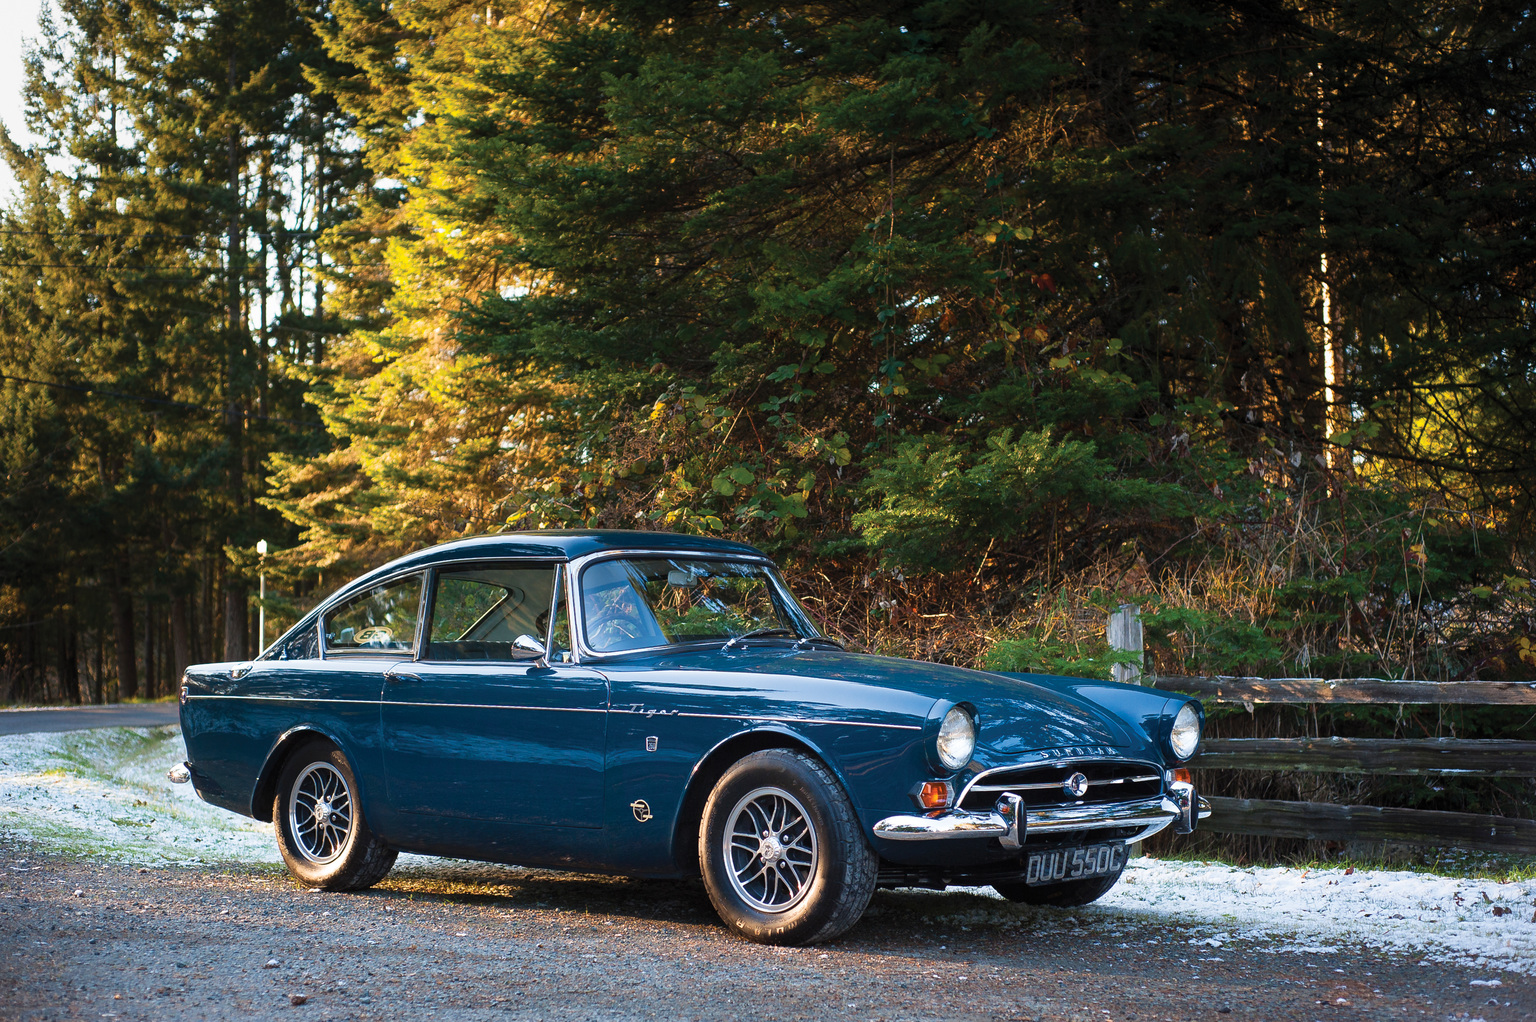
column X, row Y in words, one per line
column 1010, row 822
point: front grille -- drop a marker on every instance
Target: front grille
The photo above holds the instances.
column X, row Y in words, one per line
column 1041, row 786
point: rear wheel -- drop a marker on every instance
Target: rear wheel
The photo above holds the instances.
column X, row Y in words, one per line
column 783, row 856
column 321, row 832
column 1067, row 894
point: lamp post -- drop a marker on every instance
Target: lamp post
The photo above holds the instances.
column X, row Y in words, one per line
column 261, row 599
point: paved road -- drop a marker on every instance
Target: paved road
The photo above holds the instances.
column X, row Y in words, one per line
column 79, row 718
column 455, row 942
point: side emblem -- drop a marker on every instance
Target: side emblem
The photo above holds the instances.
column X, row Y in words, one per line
column 1076, row 785
column 641, row 809
column 650, row 744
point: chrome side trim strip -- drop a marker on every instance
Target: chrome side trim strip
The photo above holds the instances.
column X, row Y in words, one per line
column 282, row 699
column 403, row 702
column 1152, row 815
column 771, row 720
column 566, row 709
column 496, row 706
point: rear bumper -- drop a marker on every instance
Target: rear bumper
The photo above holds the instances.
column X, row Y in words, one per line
column 1011, row 823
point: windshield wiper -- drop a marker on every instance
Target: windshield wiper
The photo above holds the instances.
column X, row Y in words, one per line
column 834, row 643
column 754, row 633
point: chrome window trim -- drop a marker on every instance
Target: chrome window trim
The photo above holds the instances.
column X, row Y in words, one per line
column 429, row 604
column 353, row 588
column 326, row 653
column 578, row 610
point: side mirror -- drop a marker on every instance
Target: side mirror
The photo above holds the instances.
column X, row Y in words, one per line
column 529, row 644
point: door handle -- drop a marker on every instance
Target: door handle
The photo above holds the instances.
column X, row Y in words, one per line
column 401, row 676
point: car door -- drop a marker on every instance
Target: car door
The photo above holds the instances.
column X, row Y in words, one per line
column 478, row 727
column 363, row 637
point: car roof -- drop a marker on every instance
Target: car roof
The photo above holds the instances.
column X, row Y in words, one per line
column 557, row 545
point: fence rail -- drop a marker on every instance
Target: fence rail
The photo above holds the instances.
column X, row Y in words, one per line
column 1322, row 821
column 1474, row 757
column 1352, row 690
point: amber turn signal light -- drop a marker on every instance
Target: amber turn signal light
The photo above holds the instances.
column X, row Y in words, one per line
column 935, row 794
column 1180, row 774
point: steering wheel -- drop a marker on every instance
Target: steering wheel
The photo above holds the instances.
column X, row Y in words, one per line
column 615, row 628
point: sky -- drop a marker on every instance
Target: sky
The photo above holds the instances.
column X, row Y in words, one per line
column 18, row 22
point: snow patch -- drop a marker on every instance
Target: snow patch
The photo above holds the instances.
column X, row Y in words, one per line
column 1312, row 911
column 103, row 794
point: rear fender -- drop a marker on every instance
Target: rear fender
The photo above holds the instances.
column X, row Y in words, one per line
column 266, row 781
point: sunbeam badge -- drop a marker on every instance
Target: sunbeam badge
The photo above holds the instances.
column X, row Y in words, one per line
column 641, row 809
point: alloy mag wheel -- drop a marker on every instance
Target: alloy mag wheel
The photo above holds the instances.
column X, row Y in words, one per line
column 782, row 852
column 320, row 811
column 323, row 834
column 770, row 850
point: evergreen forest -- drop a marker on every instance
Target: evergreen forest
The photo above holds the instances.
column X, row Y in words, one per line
column 982, row 319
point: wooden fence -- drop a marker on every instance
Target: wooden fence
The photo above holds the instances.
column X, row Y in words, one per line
column 1321, row 821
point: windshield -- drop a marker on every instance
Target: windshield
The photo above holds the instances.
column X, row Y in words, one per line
column 639, row 603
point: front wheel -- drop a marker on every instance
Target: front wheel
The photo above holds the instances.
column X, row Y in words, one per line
column 321, row 832
column 1067, row 894
column 783, row 856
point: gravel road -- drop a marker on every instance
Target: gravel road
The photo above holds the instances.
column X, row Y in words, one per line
column 462, row 942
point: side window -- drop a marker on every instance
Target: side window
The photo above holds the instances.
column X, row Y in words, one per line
column 383, row 618
column 303, row 644
column 479, row 613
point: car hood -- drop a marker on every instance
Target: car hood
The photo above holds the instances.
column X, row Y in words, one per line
column 1015, row 716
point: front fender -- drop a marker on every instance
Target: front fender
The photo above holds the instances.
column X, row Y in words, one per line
column 1150, row 710
column 713, row 765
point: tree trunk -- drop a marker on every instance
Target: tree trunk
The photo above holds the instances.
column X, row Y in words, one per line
column 234, row 592
column 69, row 673
column 100, row 695
column 28, row 669
column 234, row 621
column 208, row 647
column 181, row 638
column 150, row 681
column 122, row 622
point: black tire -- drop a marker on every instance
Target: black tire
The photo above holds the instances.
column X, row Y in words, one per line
column 336, row 850
column 811, row 888
column 1067, row 894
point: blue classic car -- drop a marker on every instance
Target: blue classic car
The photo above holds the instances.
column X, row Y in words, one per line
column 650, row 704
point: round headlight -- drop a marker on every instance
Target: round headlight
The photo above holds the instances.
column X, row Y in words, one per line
column 957, row 738
column 1185, row 736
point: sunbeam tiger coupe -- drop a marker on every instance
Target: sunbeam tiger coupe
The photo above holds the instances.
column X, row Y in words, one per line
column 650, row 704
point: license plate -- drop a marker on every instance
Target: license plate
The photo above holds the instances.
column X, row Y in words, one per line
column 1061, row 864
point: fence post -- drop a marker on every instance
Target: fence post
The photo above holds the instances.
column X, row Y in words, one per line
column 1123, row 630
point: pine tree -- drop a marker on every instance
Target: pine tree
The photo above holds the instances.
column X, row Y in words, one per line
column 158, row 295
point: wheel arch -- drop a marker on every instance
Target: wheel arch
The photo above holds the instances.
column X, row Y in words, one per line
column 266, row 779
column 708, row 771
